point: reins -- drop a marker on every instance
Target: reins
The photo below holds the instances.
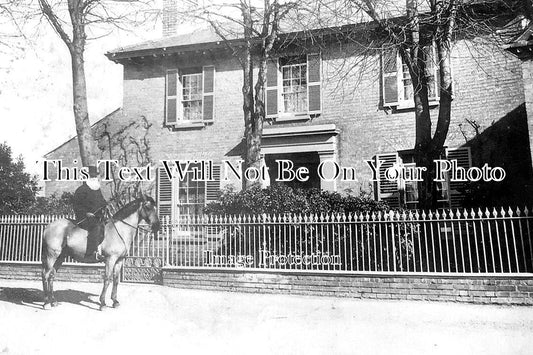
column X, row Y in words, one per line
column 130, row 225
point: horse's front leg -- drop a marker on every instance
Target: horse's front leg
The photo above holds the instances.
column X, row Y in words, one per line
column 116, row 279
column 109, row 266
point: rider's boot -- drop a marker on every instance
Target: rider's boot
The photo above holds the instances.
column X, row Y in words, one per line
column 98, row 255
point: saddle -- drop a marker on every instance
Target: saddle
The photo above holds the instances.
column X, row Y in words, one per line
column 95, row 234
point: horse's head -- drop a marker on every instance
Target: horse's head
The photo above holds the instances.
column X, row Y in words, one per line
column 148, row 212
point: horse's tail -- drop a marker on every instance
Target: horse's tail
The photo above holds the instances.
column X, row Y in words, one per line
column 44, row 250
column 44, row 245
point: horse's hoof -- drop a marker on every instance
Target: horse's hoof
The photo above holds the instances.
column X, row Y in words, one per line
column 47, row 306
column 103, row 307
column 116, row 304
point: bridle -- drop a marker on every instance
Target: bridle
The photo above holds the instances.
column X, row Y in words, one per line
column 142, row 212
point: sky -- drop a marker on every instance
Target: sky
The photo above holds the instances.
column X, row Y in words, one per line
column 36, row 88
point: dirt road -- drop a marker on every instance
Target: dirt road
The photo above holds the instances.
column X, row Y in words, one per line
column 160, row 320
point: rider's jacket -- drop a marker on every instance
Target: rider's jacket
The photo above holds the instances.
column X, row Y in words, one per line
column 86, row 200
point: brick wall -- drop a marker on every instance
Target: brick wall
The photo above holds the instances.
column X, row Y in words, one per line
column 483, row 290
column 81, row 273
column 170, row 17
column 527, row 73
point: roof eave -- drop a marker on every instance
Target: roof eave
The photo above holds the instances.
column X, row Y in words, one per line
column 168, row 50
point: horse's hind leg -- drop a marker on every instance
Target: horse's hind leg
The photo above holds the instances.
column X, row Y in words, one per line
column 116, row 279
column 57, row 265
column 52, row 260
column 47, row 275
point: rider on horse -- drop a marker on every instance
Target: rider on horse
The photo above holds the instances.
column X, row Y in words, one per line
column 89, row 207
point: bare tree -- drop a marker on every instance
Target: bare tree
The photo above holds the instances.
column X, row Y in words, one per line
column 422, row 32
column 73, row 21
column 12, row 20
column 250, row 37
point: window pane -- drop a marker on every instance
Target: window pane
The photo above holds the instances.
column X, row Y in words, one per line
column 192, row 97
column 191, row 199
column 294, row 87
column 286, row 72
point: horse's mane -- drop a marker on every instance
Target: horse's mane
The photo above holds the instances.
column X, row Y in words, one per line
column 131, row 207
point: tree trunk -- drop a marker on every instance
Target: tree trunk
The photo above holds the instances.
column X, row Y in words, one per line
column 81, row 114
column 76, row 47
column 253, row 142
column 257, row 119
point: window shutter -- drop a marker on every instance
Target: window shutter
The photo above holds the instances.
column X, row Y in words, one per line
column 173, row 98
column 272, row 88
column 389, row 76
column 464, row 160
column 212, row 191
column 164, row 193
column 386, row 190
column 208, row 104
column 314, row 100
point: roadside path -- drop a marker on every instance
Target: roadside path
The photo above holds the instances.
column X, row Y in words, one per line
column 160, row 320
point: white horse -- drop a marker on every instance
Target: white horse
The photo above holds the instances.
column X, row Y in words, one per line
column 63, row 237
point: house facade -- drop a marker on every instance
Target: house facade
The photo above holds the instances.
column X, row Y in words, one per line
column 319, row 114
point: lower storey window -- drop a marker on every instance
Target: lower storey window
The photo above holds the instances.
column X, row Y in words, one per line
column 406, row 193
column 191, row 196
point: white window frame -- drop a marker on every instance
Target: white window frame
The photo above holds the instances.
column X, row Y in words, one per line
column 409, row 103
column 294, row 92
column 288, row 116
column 403, row 190
column 182, row 77
column 180, row 109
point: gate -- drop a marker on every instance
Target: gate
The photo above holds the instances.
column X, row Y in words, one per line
column 143, row 269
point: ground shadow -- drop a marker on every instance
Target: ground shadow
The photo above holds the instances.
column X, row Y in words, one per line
column 34, row 298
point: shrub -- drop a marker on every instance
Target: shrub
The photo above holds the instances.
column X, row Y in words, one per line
column 281, row 199
column 52, row 205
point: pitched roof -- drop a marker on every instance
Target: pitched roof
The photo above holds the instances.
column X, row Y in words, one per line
column 205, row 35
column 100, row 121
column 201, row 38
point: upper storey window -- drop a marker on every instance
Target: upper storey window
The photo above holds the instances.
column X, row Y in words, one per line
column 293, row 89
column 396, row 80
column 190, row 95
column 294, row 77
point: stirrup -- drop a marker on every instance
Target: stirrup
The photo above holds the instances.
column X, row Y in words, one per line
column 98, row 254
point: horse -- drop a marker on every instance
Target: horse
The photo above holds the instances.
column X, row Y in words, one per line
column 64, row 238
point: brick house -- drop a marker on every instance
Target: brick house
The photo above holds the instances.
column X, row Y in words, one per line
column 189, row 88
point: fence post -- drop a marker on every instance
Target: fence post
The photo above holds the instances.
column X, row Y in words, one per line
column 166, row 235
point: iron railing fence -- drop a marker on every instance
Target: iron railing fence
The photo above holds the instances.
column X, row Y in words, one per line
column 21, row 236
column 495, row 241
